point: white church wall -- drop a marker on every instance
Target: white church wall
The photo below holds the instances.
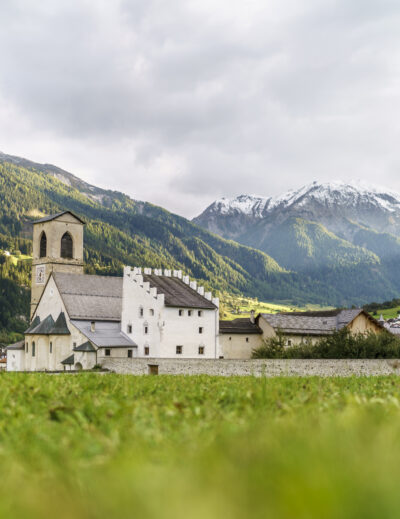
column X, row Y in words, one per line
column 51, row 302
column 86, row 359
column 62, row 345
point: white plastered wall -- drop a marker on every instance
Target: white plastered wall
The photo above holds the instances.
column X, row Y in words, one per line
column 62, row 345
column 239, row 346
column 166, row 329
column 15, row 360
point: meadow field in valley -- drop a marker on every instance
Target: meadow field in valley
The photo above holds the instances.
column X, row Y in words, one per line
column 113, row 446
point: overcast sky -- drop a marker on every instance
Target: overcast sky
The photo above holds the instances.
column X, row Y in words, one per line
column 182, row 102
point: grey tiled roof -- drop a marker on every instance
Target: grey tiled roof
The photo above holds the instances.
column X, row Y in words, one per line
column 346, row 316
column 60, row 327
column 20, row 345
column 90, row 297
column 69, row 360
column 86, row 346
column 106, row 334
column 54, row 216
column 395, row 330
column 312, row 323
column 177, row 293
column 239, row 326
column 48, row 326
column 33, row 324
column 43, row 328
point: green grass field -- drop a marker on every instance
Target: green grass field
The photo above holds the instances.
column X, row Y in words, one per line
column 237, row 306
column 110, row 446
column 388, row 313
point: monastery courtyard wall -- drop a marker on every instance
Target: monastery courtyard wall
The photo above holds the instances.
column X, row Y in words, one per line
column 264, row 367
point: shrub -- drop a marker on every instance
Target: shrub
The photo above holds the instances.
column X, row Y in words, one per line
column 339, row 345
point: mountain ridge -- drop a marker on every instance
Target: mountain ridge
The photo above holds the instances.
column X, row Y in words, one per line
column 303, row 261
column 324, row 230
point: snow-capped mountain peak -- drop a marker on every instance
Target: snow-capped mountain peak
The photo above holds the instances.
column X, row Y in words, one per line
column 351, row 194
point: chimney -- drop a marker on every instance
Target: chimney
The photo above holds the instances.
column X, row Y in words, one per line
column 92, row 326
column 252, row 318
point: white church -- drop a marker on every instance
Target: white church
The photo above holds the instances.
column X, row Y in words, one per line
column 78, row 320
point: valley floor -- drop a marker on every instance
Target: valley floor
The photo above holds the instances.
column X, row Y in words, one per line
column 98, row 446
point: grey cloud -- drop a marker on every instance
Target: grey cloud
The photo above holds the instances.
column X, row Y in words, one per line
column 187, row 101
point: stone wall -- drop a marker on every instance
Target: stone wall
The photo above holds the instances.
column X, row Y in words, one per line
column 268, row 367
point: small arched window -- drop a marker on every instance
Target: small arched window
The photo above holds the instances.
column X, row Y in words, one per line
column 43, row 245
column 67, row 246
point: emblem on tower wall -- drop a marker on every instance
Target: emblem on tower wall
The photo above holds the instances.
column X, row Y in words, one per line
column 40, row 274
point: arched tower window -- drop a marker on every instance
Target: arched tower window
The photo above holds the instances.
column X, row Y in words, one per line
column 67, row 246
column 43, row 245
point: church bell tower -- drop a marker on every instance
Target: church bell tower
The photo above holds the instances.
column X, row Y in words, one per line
column 57, row 247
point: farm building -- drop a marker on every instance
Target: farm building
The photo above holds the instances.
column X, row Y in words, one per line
column 300, row 326
column 239, row 337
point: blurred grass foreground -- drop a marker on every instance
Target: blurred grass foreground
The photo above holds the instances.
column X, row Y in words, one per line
column 112, row 446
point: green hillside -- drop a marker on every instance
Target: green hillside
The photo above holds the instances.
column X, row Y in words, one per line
column 123, row 231
column 355, row 272
column 321, row 268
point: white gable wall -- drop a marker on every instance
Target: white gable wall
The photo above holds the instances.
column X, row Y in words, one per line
column 137, row 296
column 166, row 328
column 51, row 304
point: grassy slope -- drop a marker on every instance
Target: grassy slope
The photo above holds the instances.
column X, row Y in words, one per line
column 176, row 447
column 238, row 306
column 388, row 313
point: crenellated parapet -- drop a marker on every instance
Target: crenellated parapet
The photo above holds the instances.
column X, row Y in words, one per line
column 135, row 275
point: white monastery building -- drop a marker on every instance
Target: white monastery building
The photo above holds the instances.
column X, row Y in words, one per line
column 77, row 319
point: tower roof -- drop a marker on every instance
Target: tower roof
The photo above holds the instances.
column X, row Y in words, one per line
column 55, row 216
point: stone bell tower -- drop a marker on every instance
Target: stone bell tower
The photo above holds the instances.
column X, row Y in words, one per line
column 57, row 247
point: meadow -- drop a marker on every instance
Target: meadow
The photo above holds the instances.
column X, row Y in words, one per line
column 112, row 446
column 233, row 306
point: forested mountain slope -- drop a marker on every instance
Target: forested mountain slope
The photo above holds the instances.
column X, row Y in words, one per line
column 121, row 231
column 344, row 234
